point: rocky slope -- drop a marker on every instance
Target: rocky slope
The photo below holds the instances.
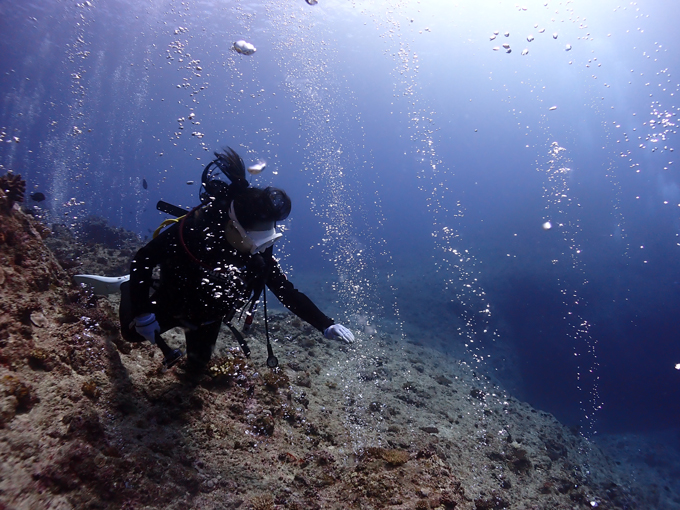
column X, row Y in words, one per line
column 89, row 421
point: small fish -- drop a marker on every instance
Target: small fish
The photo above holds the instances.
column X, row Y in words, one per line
column 552, row 108
column 568, row 47
column 506, row 46
column 525, row 51
column 37, row 197
column 312, row 2
column 190, row 183
column 144, row 184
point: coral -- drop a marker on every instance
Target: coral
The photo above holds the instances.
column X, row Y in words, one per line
column 40, row 359
column 23, row 392
column 12, row 189
column 90, row 389
column 264, row 502
column 394, row 457
column 275, row 379
column 15, row 397
column 26, row 263
column 39, row 355
column 227, row 368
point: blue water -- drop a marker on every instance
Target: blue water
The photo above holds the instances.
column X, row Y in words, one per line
column 421, row 163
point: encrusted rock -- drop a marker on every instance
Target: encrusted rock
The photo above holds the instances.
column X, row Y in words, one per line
column 8, row 408
column 12, row 189
column 39, row 320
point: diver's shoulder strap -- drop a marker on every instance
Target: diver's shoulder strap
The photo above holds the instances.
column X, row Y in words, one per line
column 165, row 223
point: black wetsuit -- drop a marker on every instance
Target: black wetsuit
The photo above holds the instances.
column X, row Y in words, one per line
column 202, row 280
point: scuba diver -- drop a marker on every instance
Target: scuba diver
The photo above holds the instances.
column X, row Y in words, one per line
column 215, row 262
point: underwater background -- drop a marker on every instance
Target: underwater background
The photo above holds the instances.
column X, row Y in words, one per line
column 518, row 209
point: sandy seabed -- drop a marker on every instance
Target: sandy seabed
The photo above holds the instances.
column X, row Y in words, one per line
column 90, row 421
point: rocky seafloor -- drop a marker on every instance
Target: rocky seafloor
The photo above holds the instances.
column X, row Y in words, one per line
column 90, row 421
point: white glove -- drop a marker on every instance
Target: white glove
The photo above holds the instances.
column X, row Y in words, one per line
column 147, row 326
column 339, row 332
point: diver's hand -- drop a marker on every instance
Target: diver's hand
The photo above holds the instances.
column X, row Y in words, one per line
column 339, row 332
column 147, row 326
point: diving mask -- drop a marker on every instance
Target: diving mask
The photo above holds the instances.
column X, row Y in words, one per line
column 258, row 238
